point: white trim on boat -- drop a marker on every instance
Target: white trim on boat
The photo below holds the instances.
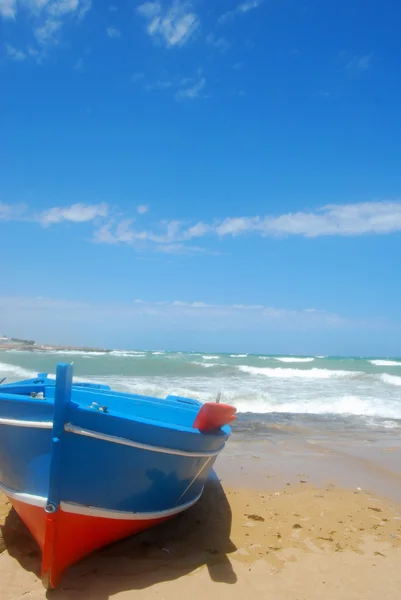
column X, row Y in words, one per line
column 123, row 441
column 25, row 498
column 92, row 511
column 20, row 423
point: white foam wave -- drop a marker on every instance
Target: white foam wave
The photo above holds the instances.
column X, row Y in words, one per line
column 205, row 365
column 14, row 372
column 76, row 352
column 129, row 354
column 391, row 379
column 238, row 355
column 207, row 357
column 345, row 405
column 293, row 359
column 157, row 353
column 385, row 363
column 301, row 373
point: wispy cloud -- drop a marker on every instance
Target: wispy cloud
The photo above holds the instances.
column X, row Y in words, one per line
column 76, row 213
column 8, row 9
column 331, row 220
column 334, row 219
column 110, row 226
column 245, row 7
column 45, row 17
column 218, row 42
column 12, row 212
column 198, row 313
column 360, row 62
column 173, row 25
column 184, row 88
column 113, row 32
column 15, row 54
column 48, row 32
column 240, row 9
column 191, row 89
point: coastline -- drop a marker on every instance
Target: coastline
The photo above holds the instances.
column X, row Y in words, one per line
column 266, row 528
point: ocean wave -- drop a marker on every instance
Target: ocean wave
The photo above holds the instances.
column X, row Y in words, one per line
column 205, row 365
column 157, row 353
column 127, row 354
column 208, row 357
column 15, row 372
column 385, row 363
column 346, row 405
column 391, row 379
column 293, row 359
column 75, row 352
column 301, row 373
column 238, row 355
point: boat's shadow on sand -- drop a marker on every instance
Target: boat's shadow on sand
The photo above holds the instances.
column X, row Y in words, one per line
column 198, row 537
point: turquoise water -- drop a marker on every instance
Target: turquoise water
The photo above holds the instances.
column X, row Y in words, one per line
column 351, row 391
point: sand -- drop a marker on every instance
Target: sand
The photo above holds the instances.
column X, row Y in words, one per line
column 298, row 542
column 311, row 516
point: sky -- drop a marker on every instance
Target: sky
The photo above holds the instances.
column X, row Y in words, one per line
column 219, row 175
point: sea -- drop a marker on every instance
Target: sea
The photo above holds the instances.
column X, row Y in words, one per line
column 308, row 393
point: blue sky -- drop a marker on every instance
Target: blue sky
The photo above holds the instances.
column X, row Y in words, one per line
column 202, row 175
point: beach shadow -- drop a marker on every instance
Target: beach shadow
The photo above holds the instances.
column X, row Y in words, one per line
column 198, row 537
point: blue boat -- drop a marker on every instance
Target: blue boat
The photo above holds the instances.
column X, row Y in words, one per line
column 84, row 465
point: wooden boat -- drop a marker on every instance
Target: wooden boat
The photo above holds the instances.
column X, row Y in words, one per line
column 85, row 466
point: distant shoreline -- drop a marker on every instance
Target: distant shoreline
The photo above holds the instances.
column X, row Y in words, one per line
column 50, row 348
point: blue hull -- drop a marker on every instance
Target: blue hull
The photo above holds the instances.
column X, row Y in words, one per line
column 80, row 449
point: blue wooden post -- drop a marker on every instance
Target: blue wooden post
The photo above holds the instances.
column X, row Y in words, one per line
column 62, row 398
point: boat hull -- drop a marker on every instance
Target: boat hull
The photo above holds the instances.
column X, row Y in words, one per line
column 86, row 466
column 68, row 534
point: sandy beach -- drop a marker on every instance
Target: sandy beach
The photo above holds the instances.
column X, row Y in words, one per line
column 266, row 528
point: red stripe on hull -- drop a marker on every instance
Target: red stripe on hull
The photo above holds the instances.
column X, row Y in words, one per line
column 65, row 537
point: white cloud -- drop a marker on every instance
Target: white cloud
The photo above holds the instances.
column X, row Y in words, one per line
column 45, row 16
column 150, row 9
column 113, row 32
column 192, row 91
column 8, row 9
column 218, row 42
column 360, row 63
column 47, row 33
column 12, row 212
column 15, row 54
column 76, row 213
column 172, row 25
column 249, row 5
column 242, row 8
column 334, row 219
column 237, row 315
column 175, row 236
column 59, row 7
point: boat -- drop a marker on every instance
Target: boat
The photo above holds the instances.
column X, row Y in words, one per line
column 85, row 466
